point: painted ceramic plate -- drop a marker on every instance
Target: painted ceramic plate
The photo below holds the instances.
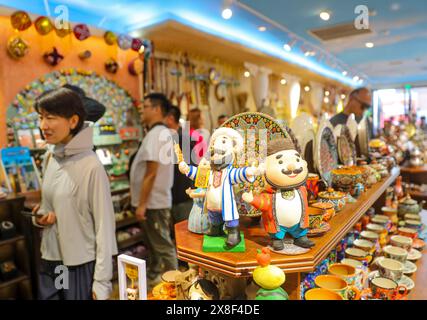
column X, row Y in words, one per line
column 291, row 250
column 325, row 151
column 256, row 127
column 363, row 137
column 324, row 227
column 414, row 255
column 409, row 268
column 346, row 147
column 352, row 126
column 302, row 127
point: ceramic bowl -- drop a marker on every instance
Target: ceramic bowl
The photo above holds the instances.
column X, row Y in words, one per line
column 377, row 228
column 322, row 294
column 337, row 198
column 402, row 242
column 395, row 253
column 390, row 269
column 365, row 245
column 413, row 224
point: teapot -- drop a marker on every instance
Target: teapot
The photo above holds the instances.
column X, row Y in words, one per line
column 409, row 205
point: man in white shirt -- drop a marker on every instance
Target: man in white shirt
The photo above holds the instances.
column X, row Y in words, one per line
column 151, row 180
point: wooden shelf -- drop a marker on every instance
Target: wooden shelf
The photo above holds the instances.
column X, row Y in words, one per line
column 11, row 240
column 126, row 222
column 189, row 245
column 130, row 242
column 19, row 278
column 413, row 169
column 11, row 197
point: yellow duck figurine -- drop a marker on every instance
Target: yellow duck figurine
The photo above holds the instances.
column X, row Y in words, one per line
column 269, row 278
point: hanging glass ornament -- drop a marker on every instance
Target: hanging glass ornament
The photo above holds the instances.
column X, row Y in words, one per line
column 20, row 20
column 43, row 25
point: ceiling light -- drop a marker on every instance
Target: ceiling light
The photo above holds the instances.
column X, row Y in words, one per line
column 307, row 88
column 283, row 81
column 344, row 73
column 369, row 44
column 227, row 13
column 327, row 93
column 343, row 96
column 356, row 78
column 287, row 47
column 326, row 100
column 325, row 15
column 247, row 74
column 262, row 28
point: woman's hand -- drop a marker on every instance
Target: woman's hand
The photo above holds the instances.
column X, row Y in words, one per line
column 46, row 219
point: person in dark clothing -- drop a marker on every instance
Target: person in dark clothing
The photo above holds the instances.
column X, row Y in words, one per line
column 359, row 101
column 181, row 202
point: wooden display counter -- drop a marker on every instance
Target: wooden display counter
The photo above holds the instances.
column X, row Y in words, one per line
column 238, row 265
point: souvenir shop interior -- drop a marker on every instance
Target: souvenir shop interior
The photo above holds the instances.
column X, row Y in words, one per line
column 324, row 106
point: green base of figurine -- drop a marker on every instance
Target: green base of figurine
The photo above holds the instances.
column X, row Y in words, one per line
column 217, row 244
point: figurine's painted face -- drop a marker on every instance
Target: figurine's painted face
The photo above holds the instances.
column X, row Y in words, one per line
column 222, row 151
column 286, row 169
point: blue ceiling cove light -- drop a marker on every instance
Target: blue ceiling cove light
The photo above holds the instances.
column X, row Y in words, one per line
column 125, row 16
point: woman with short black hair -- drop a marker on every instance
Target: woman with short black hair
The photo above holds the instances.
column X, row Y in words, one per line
column 76, row 211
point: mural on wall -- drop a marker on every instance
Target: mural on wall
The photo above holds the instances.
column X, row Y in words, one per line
column 119, row 103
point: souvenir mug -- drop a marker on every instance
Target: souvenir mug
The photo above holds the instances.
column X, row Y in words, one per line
column 402, row 242
column 390, row 269
column 387, row 289
column 396, row 253
column 337, row 285
column 322, row 294
column 358, row 254
column 361, row 271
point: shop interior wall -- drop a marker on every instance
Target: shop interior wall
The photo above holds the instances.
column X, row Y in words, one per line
column 16, row 74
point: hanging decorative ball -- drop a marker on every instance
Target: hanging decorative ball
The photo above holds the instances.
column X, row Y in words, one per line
column 85, row 55
column 111, row 66
column 64, row 31
column 20, row 20
column 43, row 25
column 110, row 38
column 136, row 67
column 53, row 58
column 81, row 31
column 124, row 41
column 136, row 44
column 17, row 47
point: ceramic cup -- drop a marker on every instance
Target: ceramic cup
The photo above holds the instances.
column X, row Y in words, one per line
column 365, row 245
column 390, row 269
column 358, row 254
column 322, row 294
column 380, row 220
column 377, row 228
column 313, row 185
column 389, row 212
column 345, row 271
column 315, row 216
column 337, row 285
column 411, row 216
column 395, row 253
column 361, row 271
column 327, row 209
column 370, row 236
column 402, row 242
column 413, row 224
column 386, row 289
column 408, row 232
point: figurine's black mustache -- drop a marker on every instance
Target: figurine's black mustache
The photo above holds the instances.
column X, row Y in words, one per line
column 218, row 151
column 289, row 172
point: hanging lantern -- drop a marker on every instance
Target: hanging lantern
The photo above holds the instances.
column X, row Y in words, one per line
column 136, row 44
column 17, row 47
column 111, row 66
column 124, row 41
column 20, row 20
column 64, row 31
column 81, row 32
column 136, row 67
column 43, row 25
column 110, row 38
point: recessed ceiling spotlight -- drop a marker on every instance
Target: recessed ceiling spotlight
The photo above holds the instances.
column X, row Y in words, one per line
column 287, row 47
column 247, row 74
column 227, row 13
column 325, row 15
column 283, row 81
column 262, row 28
column 327, row 93
column 307, row 88
column 326, row 100
column 369, row 44
column 343, row 96
column 344, row 73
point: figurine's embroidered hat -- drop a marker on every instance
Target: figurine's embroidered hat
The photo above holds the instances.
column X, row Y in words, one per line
column 279, row 144
column 232, row 134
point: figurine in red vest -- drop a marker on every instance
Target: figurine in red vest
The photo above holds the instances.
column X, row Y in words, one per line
column 284, row 202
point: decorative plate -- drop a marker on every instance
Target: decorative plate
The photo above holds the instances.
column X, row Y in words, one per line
column 346, row 146
column 255, row 127
column 409, row 268
column 290, row 250
column 352, row 126
column 325, row 151
column 324, row 227
column 302, row 127
column 414, row 255
column 363, row 137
